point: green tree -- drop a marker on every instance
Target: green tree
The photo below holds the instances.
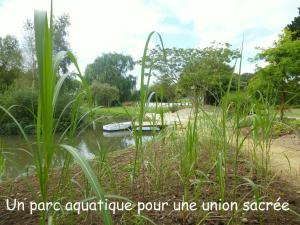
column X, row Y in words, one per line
column 245, row 79
column 164, row 90
column 60, row 39
column 113, row 68
column 60, row 42
column 294, row 27
column 10, row 61
column 29, row 48
column 104, row 94
column 169, row 64
column 282, row 75
column 209, row 75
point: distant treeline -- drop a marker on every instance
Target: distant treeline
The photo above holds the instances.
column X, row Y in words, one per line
column 179, row 73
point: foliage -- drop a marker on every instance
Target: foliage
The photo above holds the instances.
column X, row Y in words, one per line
column 164, row 90
column 60, row 42
column 288, row 127
column 261, row 84
column 10, row 61
column 294, row 27
column 113, row 68
column 282, row 74
column 10, row 53
column 104, row 94
column 169, row 64
column 210, row 74
column 144, row 91
column 29, row 48
column 231, row 100
column 186, row 68
column 70, row 86
column 23, row 104
column 60, row 35
column 245, row 80
column 284, row 55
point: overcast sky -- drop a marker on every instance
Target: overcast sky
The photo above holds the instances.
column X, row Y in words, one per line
column 99, row 26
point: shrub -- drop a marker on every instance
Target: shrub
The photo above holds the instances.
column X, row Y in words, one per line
column 288, row 127
column 104, row 94
column 23, row 106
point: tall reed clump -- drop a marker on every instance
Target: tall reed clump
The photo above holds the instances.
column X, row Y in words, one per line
column 237, row 115
column 262, row 133
column 45, row 118
column 144, row 91
column 189, row 154
column 222, row 132
column 49, row 88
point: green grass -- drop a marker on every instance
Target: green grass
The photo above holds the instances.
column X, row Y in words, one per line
column 118, row 113
column 114, row 113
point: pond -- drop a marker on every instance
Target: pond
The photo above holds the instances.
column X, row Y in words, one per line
column 19, row 161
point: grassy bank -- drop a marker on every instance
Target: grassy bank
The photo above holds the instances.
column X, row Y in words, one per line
column 104, row 115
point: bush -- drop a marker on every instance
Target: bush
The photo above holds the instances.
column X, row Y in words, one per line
column 22, row 104
column 288, row 127
column 104, row 94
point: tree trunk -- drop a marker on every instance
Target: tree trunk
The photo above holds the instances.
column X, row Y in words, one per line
column 282, row 106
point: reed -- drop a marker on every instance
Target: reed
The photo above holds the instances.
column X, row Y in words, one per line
column 137, row 128
column 49, row 88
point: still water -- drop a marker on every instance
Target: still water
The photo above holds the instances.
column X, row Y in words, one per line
column 19, row 161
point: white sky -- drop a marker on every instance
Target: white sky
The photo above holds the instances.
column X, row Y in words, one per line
column 99, row 26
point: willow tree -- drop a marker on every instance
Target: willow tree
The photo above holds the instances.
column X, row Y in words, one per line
column 113, row 69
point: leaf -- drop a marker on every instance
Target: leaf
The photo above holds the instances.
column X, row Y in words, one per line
column 93, row 181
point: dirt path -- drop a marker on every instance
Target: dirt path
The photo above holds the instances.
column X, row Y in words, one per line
column 285, row 158
column 181, row 116
column 285, row 151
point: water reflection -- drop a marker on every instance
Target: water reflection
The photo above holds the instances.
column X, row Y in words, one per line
column 84, row 151
column 116, row 134
column 89, row 143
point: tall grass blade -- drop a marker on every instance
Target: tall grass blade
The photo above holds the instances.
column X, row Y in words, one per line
column 93, row 181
